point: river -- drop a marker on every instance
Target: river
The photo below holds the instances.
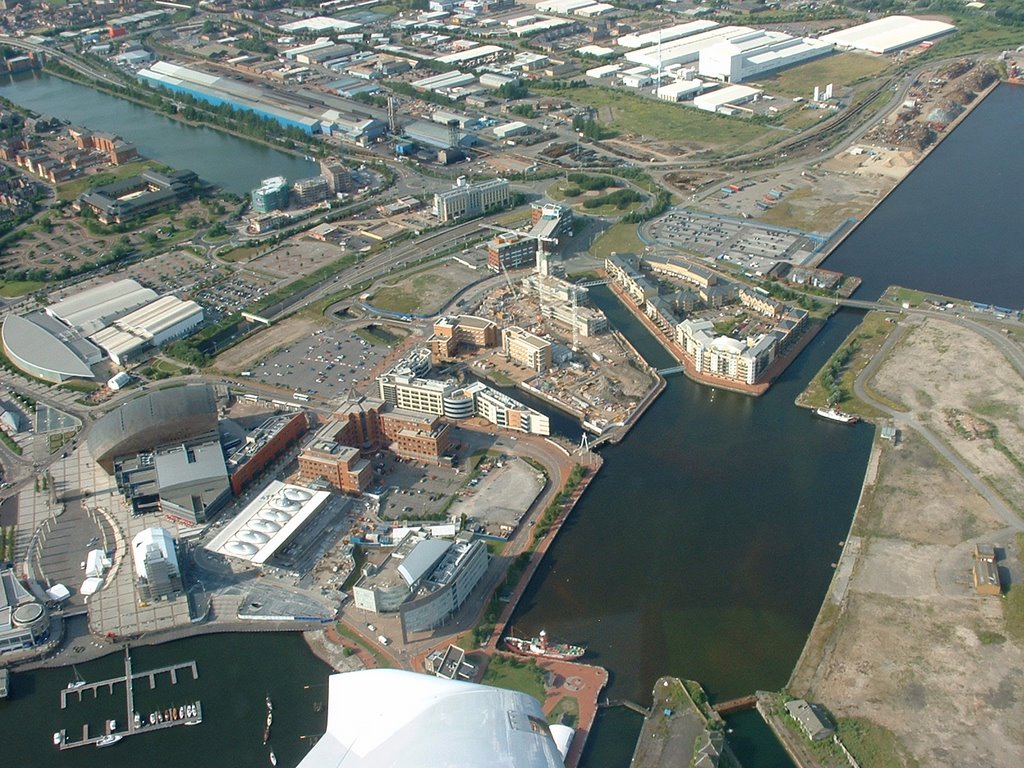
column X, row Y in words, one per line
column 954, row 226
column 702, row 550
column 236, row 165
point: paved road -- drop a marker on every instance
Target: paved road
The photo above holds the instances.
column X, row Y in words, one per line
column 907, row 421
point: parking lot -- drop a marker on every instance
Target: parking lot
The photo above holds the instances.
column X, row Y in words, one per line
column 496, row 501
column 415, row 491
column 753, row 246
column 234, row 293
column 327, row 363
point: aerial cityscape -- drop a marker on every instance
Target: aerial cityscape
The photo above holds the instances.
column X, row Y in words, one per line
column 524, row 383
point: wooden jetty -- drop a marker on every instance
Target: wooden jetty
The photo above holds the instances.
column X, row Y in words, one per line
column 129, row 677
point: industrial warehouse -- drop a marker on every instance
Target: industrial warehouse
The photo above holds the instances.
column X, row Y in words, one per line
column 119, row 318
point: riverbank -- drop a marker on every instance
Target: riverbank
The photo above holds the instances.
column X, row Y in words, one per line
column 834, row 244
column 777, row 367
column 126, row 95
column 904, row 643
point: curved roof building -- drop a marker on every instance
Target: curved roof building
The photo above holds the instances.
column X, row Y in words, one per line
column 150, row 545
column 378, row 718
column 157, row 418
column 54, row 354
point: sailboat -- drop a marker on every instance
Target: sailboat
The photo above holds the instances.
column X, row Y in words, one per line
column 78, row 682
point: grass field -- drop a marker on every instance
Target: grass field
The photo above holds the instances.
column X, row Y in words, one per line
column 378, row 336
column 873, row 745
column 869, row 337
column 567, row 710
column 12, row 288
column 515, row 675
column 842, row 69
column 668, row 122
column 620, row 238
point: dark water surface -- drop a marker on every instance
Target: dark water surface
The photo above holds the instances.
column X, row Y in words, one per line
column 954, row 226
column 234, row 164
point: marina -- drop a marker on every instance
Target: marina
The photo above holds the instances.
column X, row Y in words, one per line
column 185, row 714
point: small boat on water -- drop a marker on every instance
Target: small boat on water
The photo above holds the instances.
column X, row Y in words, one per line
column 541, row 646
column 58, row 737
column 270, row 704
column 273, row 758
column 78, row 682
column 834, row 414
column 181, row 713
column 266, row 730
column 138, row 720
column 152, row 718
column 110, row 738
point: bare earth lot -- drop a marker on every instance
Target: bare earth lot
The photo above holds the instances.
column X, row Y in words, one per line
column 911, row 647
column 971, row 401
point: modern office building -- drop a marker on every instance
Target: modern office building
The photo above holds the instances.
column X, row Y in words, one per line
column 455, row 332
column 342, row 466
column 264, row 445
column 155, row 555
column 187, row 481
column 413, row 393
column 382, row 717
column 501, row 410
column 23, row 619
column 270, row 195
column 339, row 177
column 511, row 250
column 525, row 348
column 425, row 580
column 466, row 200
column 311, row 191
column 130, row 198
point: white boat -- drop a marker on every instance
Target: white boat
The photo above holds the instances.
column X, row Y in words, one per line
column 138, row 720
column 181, row 713
column 834, row 414
column 78, row 682
column 152, row 718
column 110, row 738
column 273, row 758
column 58, row 737
column 270, row 704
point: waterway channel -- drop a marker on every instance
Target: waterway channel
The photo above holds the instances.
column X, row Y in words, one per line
column 954, row 226
column 236, row 165
column 702, row 550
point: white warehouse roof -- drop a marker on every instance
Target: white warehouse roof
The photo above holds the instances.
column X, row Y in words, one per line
column 469, row 55
column 268, row 522
column 889, row 33
column 94, row 308
column 379, row 718
column 685, row 50
column 666, row 35
column 731, row 94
